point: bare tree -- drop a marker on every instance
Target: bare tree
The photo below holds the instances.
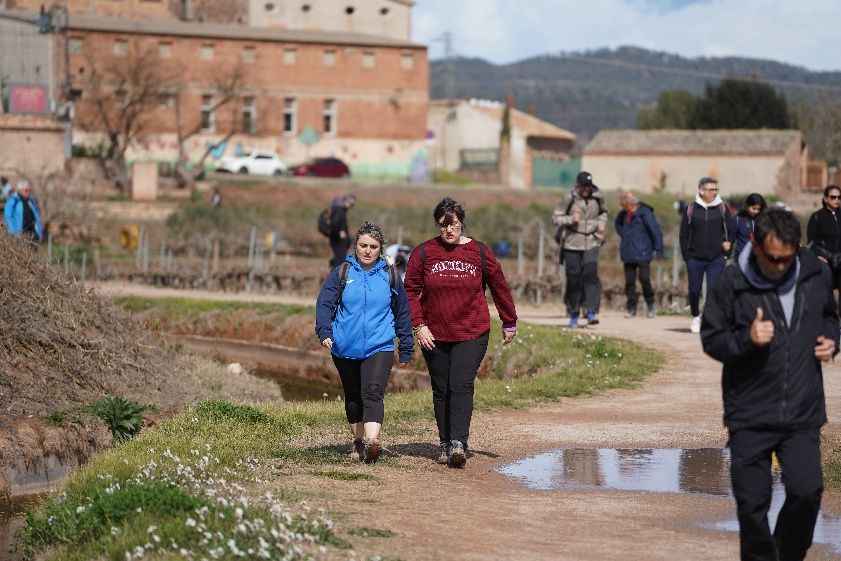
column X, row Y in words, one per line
column 819, row 118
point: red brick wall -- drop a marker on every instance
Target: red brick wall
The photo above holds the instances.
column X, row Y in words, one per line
column 219, row 11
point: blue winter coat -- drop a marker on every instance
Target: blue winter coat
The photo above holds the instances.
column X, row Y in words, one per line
column 641, row 236
column 744, row 228
column 364, row 323
column 13, row 215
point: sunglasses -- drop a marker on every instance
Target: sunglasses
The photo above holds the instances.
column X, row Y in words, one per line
column 777, row 259
column 833, row 197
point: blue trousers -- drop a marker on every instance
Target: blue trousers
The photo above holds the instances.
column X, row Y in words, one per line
column 695, row 270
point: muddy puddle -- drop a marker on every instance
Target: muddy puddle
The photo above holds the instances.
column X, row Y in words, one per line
column 665, row 470
column 295, row 389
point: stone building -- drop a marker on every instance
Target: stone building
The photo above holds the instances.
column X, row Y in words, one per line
column 33, row 146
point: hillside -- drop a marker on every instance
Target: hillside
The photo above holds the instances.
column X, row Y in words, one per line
column 585, row 92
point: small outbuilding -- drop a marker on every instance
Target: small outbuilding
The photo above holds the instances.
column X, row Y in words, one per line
column 33, row 146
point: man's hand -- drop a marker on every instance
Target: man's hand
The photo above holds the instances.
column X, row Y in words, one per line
column 576, row 217
column 761, row 332
column 824, row 349
column 725, row 246
column 342, row 234
column 600, row 232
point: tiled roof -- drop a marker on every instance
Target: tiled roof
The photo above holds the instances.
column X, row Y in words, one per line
column 9, row 121
column 663, row 141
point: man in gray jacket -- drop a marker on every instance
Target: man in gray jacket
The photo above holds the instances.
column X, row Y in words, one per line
column 581, row 216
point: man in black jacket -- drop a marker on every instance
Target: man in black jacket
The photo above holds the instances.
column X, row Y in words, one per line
column 771, row 320
column 339, row 229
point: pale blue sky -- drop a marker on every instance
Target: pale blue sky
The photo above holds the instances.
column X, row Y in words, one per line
column 805, row 33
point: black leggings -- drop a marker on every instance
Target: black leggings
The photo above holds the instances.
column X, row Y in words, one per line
column 452, row 369
column 364, row 382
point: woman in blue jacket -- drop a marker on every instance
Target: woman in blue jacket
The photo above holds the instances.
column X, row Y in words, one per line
column 360, row 309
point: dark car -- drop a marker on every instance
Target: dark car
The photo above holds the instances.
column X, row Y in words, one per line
column 322, row 167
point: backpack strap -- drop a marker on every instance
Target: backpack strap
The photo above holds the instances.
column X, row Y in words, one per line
column 392, row 281
column 343, row 271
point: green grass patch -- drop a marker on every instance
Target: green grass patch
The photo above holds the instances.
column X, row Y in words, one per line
column 345, row 475
column 192, row 308
column 371, row 533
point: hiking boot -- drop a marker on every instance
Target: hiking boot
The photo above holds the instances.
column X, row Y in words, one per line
column 573, row 321
column 695, row 326
column 357, row 449
column 444, row 456
column 372, row 451
column 631, row 313
column 592, row 318
column 458, row 457
column 650, row 310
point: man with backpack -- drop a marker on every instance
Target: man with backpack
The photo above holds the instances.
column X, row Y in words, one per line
column 641, row 239
column 332, row 222
column 581, row 216
column 707, row 232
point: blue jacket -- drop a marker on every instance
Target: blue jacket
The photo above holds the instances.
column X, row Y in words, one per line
column 13, row 215
column 364, row 323
column 641, row 236
column 744, row 228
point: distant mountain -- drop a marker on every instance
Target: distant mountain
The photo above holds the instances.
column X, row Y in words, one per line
column 585, row 92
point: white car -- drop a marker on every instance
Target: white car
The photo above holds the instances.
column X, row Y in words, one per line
column 258, row 162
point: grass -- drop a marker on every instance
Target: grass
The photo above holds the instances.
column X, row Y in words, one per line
column 184, row 308
column 198, row 482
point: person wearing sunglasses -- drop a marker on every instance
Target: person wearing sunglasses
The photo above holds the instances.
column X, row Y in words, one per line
column 771, row 320
column 823, row 233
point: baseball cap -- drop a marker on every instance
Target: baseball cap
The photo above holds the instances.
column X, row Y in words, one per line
column 585, row 179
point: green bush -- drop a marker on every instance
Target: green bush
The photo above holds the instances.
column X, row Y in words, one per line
column 123, row 418
column 222, row 410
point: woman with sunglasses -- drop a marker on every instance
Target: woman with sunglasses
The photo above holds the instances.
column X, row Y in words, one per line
column 445, row 284
column 823, row 233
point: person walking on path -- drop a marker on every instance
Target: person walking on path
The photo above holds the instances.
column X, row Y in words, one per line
column 707, row 232
column 823, row 233
column 641, row 239
column 445, row 283
column 360, row 309
column 581, row 216
column 339, row 230
column 21, row 214
column 746, row 219
column 771, row 320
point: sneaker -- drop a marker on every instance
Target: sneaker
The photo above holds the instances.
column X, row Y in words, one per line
column 372, row 451
column 695, row 326
column 573, row 321
column 592, row 318
column 650, row 310
column 631, row 313
column 457, row 455
column 357, row 449
column 444, row 456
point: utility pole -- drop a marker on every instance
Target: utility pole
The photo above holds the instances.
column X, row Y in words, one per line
column 449, row 94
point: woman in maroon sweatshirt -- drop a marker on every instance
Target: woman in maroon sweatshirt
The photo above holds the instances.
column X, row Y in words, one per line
column 445, row 283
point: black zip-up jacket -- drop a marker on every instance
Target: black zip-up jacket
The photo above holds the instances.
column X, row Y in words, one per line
column 702, row 238
column 824, row 233
column 778, row 386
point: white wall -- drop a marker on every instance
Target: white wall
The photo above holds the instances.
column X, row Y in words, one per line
column 471, row 129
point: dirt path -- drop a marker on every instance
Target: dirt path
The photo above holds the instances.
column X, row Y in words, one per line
column 480, row 514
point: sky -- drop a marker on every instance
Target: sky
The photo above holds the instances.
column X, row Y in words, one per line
column 804, row 33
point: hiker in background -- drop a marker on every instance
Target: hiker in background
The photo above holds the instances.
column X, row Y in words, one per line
column 771, row 320
column 581, row 216
column 6, row 189
column 216, row 198
column 707, row 232
column 823, row 233
column 339, row 230
column 641, row 240
column 360, row 309
column 445, row 283
column 21, row 214
column 745, row 220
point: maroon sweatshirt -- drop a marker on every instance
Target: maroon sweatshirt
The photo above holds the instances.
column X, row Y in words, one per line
column 445, row 290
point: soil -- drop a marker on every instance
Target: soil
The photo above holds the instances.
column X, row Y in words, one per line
column 479, row 514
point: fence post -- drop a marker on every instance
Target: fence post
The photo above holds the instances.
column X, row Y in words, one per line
column 540, row 245
column 521, row 271
column 145, row 253
column 139, row 253
column 66, row 258
column 400, row 235
column 50, row 250
column 251, row 243
column 84, row 265
column 214, row 268
column 97, row 264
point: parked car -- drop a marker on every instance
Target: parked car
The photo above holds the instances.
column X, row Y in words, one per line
column 259, row 162
column 322, row 167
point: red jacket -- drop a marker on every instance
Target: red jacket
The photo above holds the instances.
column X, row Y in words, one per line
column 445, row 290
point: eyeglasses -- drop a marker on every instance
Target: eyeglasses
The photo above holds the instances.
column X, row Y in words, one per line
column 455, row 225
column 711, row 190
column 833, row 197
column 777, row 259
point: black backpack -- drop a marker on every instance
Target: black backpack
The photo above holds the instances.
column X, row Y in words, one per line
column 325, row 222
column 392, row 280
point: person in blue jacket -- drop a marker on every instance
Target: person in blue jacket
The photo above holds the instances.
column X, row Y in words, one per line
column 745, row 220
column 21, row 214
column 357, row 320
column 641, row 240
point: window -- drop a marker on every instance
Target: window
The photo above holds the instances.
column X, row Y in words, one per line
column 306, row 8
column 290, row 116
column 349, row 10
column 120, row 47
column 407, row 61
column 249, row 115
column 248, row 54
column 75, row 45
column 383, row 11
column 166, row 100
column 329, row 115
column 76, row 94
column 289, row 56
column 208, row 113
column 329, row 58
column 165, row 50
column 207, row 51
column 368, row 59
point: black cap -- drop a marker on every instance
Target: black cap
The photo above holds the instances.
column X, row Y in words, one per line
column 585, row 179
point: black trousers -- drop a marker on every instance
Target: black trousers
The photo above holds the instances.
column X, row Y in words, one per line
column 452, row 370
column 582, row 268
column 643, row 269
column 799, row 453
column 340, row 247
column 364, row 383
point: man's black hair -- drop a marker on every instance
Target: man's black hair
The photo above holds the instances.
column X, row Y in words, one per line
column 779, row 223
